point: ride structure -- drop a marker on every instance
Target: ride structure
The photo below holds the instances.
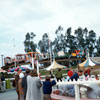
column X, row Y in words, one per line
column 21, row 59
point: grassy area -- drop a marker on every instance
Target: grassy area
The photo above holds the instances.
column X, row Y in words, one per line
column 44, row 72
column 64, row 71
column 73, row 67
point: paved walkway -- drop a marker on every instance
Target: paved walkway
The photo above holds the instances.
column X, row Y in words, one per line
column 12, row 95
column 9, row 95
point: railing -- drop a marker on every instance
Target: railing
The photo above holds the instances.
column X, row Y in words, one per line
column 77, row 83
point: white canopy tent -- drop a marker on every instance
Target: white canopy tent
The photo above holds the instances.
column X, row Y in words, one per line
column 55, row 65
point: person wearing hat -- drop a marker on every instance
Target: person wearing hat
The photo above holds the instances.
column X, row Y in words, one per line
column 21, row 91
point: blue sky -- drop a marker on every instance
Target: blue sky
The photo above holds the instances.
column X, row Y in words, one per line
column 17, row 17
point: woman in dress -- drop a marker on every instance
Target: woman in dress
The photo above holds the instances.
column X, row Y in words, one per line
column 34, row 90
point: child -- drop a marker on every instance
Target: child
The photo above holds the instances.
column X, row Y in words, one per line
column 47, row 88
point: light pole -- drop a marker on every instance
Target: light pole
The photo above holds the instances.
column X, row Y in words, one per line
column 49, row 43
column 2, row 59
column 15, row 62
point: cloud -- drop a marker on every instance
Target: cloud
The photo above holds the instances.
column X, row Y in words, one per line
column 17, row 17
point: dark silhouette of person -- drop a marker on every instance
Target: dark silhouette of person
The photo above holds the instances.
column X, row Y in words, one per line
column 24, row 82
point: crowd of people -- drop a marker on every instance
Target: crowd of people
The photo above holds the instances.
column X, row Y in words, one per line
column 30, row 87
column 68, row 90
column 72, row 74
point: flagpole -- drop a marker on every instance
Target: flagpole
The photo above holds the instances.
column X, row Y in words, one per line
column 14, row 54
column 32, row 61
column 37, row 67
column 50, row 53
column 50, row 49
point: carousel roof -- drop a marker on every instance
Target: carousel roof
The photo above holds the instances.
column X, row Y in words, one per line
column 88, row 62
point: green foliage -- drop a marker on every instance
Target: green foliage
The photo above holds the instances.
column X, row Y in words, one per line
column 98, row 47
column 67, row 54
column 65, row 41
column 43, row 45
column 58, row 43
column 29, row 44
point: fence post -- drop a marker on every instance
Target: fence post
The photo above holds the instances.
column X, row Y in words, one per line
column 77, row 93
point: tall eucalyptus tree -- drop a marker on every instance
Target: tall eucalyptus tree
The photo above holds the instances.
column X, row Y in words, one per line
column 29, row 44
